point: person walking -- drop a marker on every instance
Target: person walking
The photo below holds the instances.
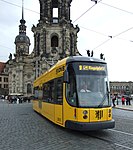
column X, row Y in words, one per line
column 128, row 100
column 123, row 100
column 113, row 100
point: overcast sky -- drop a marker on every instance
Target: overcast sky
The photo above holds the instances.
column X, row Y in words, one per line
column 106, row 27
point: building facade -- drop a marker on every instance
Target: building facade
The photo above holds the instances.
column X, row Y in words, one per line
column 3, row 79
column 121, row 88
column 55, row 37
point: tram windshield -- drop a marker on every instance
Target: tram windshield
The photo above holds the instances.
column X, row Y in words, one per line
column 88, row 85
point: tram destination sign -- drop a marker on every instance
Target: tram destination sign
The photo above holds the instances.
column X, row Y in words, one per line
column 91, row 68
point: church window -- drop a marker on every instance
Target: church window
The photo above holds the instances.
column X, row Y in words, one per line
column 28, row 76
column 5, row 79
column 29, row 90
column 55, row 20
column 14, row 76
column 55, row 12
column 54, row 41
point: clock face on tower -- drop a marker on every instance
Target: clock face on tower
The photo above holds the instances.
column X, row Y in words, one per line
column 21, row 38
column 21, row 46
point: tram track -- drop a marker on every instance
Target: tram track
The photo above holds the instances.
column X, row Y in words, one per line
column 114, row 145
column 123, row 125
column 130, row 134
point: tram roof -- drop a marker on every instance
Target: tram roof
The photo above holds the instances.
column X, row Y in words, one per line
column 84, row 59
column 72, row 59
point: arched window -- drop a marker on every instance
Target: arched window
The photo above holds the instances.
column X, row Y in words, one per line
column 54, row 41
column 29, row 90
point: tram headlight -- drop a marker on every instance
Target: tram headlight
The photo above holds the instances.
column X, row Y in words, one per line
column 85, row 112
column 85, row 116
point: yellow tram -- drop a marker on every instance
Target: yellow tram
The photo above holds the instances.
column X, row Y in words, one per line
column 60, row 97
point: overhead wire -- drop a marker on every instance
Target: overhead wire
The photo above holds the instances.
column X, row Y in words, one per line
column 86, row 11
column 117, row 8
column 110, row 37
column 19, row 6
column 101, row 44
column 93, row 31
column 123, row 32
column 125, row 39
column 103, row 4
column 79, row 16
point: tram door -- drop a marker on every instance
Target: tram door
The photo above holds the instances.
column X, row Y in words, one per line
column 58, row 114
column 59, row 101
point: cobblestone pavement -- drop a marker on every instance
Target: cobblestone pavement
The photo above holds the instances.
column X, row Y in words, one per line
column 23, row 129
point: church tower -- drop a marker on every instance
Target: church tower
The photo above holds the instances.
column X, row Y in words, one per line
column 55, row 37
column 20, row 66
column 22, row 41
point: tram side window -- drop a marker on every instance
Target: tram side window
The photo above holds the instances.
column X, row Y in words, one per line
column 52, row 89
column 59, row 91
column 38, row 93
column 48, row 92
column 51, row 92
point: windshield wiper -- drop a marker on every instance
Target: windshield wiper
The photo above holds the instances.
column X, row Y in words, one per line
column 104, row 97
column 103, row 100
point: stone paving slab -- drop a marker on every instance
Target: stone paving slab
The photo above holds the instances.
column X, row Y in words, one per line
column 23, row 129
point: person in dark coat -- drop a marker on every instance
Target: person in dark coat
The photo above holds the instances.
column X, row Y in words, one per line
column 113, row 100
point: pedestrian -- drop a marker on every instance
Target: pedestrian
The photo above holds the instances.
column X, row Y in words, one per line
column 128, row 100
column 113, row 100
column 17, row 100
column 123, row 100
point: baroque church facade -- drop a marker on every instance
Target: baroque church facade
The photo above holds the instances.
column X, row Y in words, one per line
column 54, row 38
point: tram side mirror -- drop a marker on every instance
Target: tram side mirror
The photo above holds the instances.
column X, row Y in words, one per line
column 66, row 77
